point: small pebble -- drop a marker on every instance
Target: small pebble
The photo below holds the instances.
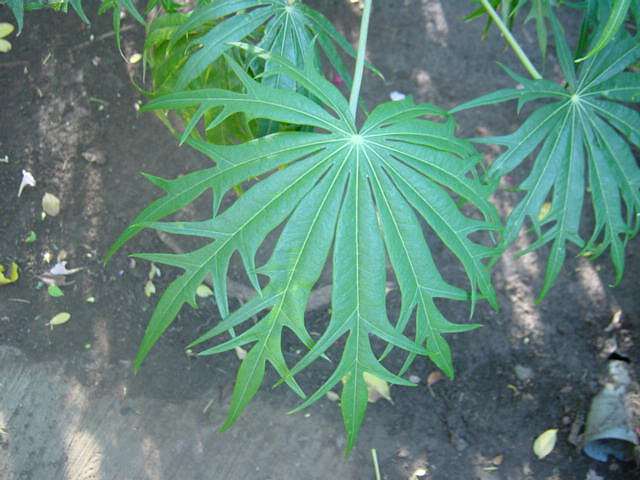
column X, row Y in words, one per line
column 420, row 472
column 402, row 453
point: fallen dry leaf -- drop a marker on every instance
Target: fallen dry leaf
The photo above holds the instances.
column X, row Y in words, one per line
column 376, row 388
column 5, row 29
column 544, row 211
column 149, row 288
column 51, row 204
column 203, row 291
column 13, row 274
column 434, row 377
column 27, row 181
column 5, row 46
column 333, row 396
column 615, row 321
column 154, row 271
column 59, row 319
column 135, row 58
column 545, row 443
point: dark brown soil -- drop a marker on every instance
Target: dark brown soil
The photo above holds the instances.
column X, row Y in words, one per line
column 69, row 402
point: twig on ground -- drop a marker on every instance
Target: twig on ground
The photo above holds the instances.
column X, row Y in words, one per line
column 101, row 37
column 376, row 467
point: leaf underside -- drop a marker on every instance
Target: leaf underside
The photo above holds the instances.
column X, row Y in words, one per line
column 352, row 196
column 188, row 51
column 584, row 135
column 279, row 26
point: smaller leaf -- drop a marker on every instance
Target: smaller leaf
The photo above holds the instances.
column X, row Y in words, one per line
column 545, row 443
column 31, row 237
column 51, row 204
column 59, row 319
column 203, row 291
column 13, row 274
column 55, row 291
column 149, row 288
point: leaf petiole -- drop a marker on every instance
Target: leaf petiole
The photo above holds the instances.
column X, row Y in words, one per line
column 513, row 43
column 362, row 50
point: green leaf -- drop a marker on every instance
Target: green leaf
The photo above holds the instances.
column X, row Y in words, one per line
column 352, row 196
column 580, row 137
column 619, row 9
column 17, row 8
column 280, row 26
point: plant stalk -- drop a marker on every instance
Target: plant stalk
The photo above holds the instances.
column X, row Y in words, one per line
column 362, row 50
column 513, row 43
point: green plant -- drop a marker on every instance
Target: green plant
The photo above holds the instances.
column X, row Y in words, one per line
column 326, row 197
column 585, row 126
column 291, row 157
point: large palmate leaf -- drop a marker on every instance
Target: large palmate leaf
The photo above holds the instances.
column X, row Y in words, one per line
column 358, row 195
column 283, row 26
column 584, row 135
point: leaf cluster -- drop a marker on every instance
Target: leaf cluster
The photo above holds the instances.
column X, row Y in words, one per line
column 351, row 196
column 582, row 134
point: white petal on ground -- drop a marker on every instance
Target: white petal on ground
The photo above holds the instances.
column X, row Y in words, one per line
column 397, row 96
column 545, row 443
column 60, row 268
column 27, row 180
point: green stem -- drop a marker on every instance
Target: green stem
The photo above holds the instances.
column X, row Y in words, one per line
column 362, row 50
column 513, row 43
